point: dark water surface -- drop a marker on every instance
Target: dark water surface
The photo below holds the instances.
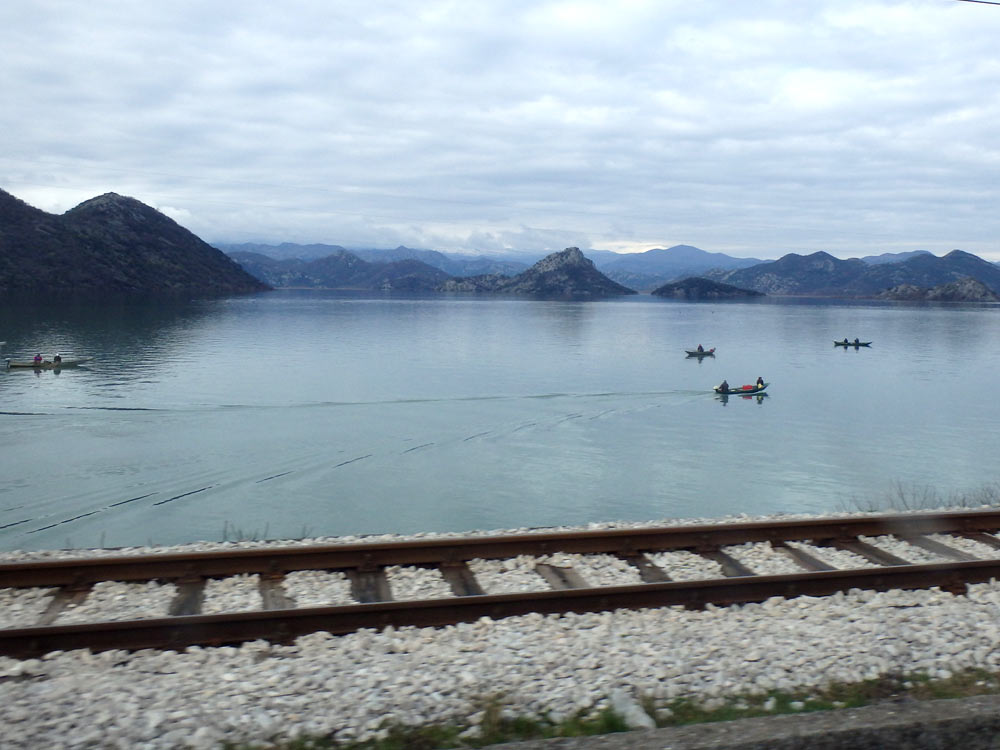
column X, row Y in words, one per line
column 308, row 413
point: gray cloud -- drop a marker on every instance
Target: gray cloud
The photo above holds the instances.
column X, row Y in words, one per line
column 755, row 129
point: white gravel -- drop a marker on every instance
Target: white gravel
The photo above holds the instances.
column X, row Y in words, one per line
column 686, row 566
column 416, row 583
column 838, row 558
column 21, row 608
column 763, row 559
column 596, row 570
column 233, row 594
column 347, row 686
column 110, row 600
column 904, row 550
column 512, row 576
column 318, row 588
column 969, row 546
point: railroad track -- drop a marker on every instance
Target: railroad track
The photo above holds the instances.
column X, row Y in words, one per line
column 691, row 566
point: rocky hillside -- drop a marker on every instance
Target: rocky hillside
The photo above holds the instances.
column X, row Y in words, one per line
column 342, row 270
column 822, row 275
column 109, row 245
column 564, row 274
column 963, row 290
column 696, row 288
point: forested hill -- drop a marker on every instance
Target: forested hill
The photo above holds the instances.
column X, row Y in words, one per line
column 109, row 245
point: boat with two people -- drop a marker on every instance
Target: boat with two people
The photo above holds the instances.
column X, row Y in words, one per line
column 40, row 363
column 856, row 343
column 701, row 352
column 725, row 389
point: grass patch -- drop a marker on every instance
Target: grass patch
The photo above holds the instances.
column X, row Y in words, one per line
column 497, row 726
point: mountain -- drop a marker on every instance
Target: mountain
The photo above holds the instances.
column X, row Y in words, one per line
column 342, row 270
column 653, row 268
column 695, row 288
column 284, row 251
column 893, row 257
column 822, row 275
column 564, row 274
column 109, row 245
column 963, row 290
column 451, row 263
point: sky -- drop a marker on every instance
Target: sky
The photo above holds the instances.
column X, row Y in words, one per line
column 750, row 128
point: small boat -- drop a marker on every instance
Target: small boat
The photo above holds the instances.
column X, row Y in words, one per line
column 45, row 364
column 743, row 390
column 846, row 343
column 703, row 353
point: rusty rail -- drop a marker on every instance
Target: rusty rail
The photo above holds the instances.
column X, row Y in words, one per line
column 284, row 625
column 365, row 565
column 435, row 552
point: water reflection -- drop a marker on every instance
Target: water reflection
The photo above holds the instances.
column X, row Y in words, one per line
column 758, row 397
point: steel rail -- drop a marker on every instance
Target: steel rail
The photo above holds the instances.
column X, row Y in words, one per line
column 276, row 561
column 285, row 625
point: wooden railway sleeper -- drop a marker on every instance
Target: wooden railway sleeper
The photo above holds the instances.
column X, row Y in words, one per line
column 63, row 598
column 868, row 551
column 982, row 537
column 189, row 598
column 938, row 548
column 731, row 567
column 561, row 578
column 369, row 586
column 649, row 572
column 803, row 558
column 273, row 594
column 462, row 580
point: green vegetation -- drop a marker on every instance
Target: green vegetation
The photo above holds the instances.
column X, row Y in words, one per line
column 496, row 726
column 494, row 729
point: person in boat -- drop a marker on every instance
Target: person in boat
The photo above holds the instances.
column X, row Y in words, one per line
column 760, row 383
column 701, row 348
column 857, row 341
column 57, row 360
column 724, row 387
column 38, row 359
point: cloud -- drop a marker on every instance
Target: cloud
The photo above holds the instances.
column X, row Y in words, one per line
column 756, row 129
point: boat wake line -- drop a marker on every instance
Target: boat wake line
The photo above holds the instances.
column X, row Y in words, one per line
column 321, row 462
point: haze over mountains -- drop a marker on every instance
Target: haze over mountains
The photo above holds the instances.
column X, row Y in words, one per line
column 117, row 245
column 819, row 274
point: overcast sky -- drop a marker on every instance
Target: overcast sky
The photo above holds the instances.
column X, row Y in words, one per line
column 750, row 128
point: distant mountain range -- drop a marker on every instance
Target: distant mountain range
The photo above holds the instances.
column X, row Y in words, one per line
column 822, row 275
column 109, row 245
column 639, row 271
column 451, row 263
column 342, row 270
column 567, row 273
column 117, row 245
column 818, row 274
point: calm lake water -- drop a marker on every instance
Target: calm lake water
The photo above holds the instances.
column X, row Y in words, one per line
column 298, row 413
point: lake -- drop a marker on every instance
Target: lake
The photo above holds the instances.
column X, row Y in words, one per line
column 306, row 413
